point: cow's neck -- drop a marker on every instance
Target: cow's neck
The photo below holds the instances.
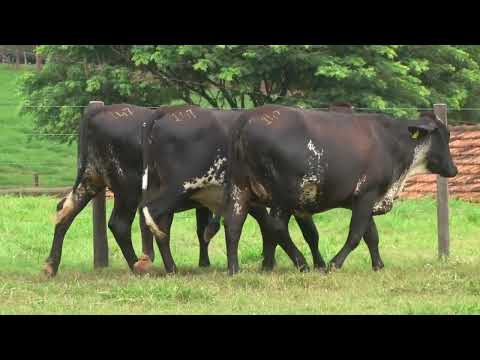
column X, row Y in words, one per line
column 408, row 159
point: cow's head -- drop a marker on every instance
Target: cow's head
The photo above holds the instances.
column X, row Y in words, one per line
column 438, row 158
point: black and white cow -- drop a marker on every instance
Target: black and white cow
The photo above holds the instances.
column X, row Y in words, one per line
column 305, row 162
column 110, row 155
column 185, row 155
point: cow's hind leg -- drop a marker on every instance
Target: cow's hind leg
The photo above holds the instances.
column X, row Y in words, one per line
column 158, row 217
column 147, row 239
column 361, row 215
column 371, row 238
column 163, row 242
column 120, row 224
column 310, row 234
column 67, row 209
column 279, row 226
column 238, row 203
column 203, row 216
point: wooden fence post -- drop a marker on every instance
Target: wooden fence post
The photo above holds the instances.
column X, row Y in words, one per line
column 440, row 111
column 35, row 179
column 100, row 243
column 38, row 61
column 17, row 58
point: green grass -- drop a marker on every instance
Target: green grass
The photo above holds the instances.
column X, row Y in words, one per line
column 21, row 154
column 413, row 281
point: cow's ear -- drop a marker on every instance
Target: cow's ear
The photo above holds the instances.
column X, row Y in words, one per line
column 421, row 130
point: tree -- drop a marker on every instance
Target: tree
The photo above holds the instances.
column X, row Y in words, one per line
column 392, row 78
column 75, row 74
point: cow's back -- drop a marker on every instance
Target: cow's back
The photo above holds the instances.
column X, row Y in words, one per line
column 113, row 152
column 285, row 149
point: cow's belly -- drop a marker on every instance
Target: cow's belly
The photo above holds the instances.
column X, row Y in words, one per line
column 210, row 197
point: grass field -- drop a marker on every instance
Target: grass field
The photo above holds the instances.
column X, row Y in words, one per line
column 20, row 154
column 413, row 281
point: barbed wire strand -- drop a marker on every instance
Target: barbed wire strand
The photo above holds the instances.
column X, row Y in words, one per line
column 212, row 108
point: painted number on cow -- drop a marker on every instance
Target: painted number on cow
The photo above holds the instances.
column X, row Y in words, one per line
column 125, row 112
column 183, row 115
column 268, row 118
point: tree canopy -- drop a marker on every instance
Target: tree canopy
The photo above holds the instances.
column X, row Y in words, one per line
column 390, row 78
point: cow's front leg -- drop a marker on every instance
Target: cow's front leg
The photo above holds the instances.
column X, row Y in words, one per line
column 204, row 217
column 259, row 213
column 310, row 234
column 361, row 215
column 237, row 206
column 371, row 238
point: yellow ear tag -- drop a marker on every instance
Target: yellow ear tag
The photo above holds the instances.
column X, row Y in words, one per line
column 415, row 134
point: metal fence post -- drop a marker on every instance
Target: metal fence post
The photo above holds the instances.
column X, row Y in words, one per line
column 100, row 243
column 440, row 111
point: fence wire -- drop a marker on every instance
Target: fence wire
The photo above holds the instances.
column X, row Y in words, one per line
column 27, row 167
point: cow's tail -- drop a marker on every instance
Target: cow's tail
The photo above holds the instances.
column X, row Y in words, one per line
column 82, row 152
column 147, row 126
column 235, row 151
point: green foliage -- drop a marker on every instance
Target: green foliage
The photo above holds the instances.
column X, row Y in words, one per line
column 383, row 77
column 75, row 74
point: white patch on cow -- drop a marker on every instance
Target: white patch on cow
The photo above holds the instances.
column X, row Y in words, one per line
column 259, row 190
column 313, row 149
column 237, row 208
column 213, row 176
column 360, row 182
column 310, row 182
column 145, row 179
column 118, row 167
column 418, row 165
column 152, row 226
column 66, row 209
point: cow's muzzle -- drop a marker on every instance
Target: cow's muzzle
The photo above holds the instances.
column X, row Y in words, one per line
column 452, row 171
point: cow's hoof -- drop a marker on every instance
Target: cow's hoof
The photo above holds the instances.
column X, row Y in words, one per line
column 378, row 267
column 232, row 272
column 321, row 269
column 267, row 268
column 304, row 268
column 48, row 270
column 143, row 265
column 332, row 267
column 204, row 263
